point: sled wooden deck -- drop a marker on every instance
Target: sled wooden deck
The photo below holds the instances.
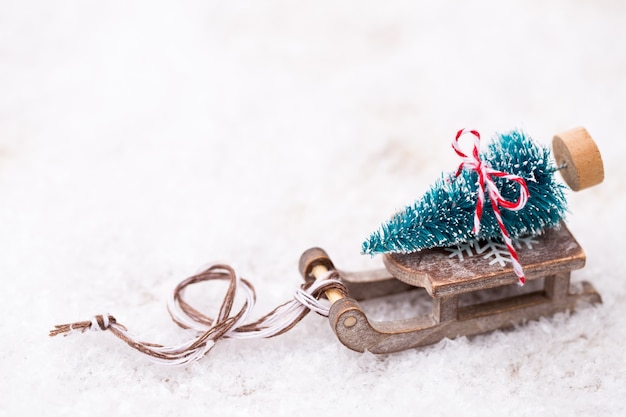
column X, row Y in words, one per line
column 446, row 279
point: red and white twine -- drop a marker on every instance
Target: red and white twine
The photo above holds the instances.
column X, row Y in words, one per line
column 485, row 182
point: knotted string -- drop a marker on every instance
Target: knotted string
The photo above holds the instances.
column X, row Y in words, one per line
column 485, row 181
column 227, row 324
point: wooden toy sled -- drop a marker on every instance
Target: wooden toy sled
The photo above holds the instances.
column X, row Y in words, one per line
column 467, row 290
column 456, row 289
column 470, row 294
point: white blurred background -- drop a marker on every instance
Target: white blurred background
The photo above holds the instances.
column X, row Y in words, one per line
column 140, row 140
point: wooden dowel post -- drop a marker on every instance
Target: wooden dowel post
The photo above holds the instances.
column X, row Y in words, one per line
column 315, row 264
column 319, row 272
column 446, row 308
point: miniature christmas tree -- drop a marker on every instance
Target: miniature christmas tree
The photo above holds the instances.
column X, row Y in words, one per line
column 460, row 208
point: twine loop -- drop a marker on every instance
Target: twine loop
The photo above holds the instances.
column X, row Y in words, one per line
column 485, row 182
column 229, row 323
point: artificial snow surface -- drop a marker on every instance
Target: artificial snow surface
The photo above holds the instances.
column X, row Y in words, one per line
column 141, row 140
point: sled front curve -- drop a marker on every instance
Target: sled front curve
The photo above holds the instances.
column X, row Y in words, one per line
column 552, row 258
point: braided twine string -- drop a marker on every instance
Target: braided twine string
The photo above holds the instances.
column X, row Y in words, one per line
column 227, row 324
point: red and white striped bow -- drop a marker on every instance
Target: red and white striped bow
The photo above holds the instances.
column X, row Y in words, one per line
column 485, row 180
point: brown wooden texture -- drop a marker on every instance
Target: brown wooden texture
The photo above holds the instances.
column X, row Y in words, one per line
column 364, row 285
column 440, row 274
column 387, row 337
column 446, row 279
column 578, row 153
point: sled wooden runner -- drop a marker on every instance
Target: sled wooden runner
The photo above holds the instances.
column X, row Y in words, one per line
column 445, row 279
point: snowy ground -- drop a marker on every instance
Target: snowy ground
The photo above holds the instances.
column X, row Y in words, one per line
column 140, row 141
